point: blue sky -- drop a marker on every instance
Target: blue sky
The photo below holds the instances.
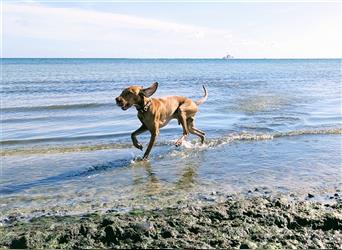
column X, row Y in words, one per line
column 171, row 30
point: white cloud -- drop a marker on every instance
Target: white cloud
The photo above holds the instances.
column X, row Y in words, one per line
column 36, row 21
column 35, row 30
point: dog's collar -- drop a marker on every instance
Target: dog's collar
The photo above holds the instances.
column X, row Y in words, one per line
column 145, row 107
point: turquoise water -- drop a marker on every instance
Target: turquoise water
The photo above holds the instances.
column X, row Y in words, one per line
column 66, row 145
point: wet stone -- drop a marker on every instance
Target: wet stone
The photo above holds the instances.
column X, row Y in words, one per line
column 167, row 233
column 19, row 243
column 248, row 245
column 106, row 222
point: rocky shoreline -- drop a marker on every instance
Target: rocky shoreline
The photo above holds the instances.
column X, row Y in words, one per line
column 239, row 222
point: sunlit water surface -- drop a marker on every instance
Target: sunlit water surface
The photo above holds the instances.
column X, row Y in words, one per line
column 271, row 124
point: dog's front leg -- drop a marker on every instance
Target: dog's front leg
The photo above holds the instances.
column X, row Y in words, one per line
column 134, row 135
column 154, row 135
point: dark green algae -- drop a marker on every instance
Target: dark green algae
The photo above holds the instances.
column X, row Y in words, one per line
column 249, row 222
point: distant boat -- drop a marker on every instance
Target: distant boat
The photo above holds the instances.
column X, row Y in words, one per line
column 227, row 57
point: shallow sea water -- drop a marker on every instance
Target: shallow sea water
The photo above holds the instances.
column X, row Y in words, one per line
column 270, row 124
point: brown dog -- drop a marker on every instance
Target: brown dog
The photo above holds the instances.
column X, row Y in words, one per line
column 156, row 113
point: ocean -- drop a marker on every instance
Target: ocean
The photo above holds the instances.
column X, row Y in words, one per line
column 272, row 124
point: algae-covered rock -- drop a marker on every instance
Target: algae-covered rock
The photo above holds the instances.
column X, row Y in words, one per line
column 252, row 222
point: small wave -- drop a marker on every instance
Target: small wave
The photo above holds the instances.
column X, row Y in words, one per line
column 103, row 167
column 17, row 120
column 194, row 144
column 93, row 170
column 61, row 81
column 215, row 142
column 43, row 118
column 57, row 107
column 325, row 131
column 62, row 139
column 58, row 150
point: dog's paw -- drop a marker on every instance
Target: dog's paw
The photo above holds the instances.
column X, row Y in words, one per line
column 136, row 159
column 145, row 158
column 179, row 143
column 140, row 159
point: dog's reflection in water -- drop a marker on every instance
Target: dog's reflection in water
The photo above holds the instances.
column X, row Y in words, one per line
column 148, row 183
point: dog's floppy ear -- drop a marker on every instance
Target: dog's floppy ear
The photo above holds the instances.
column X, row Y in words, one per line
column 150, row 90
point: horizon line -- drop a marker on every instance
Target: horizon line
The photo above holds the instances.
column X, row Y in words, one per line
column 179, row 58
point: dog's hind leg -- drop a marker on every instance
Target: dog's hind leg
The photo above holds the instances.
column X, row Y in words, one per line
column 193, row 130
column 199, row 131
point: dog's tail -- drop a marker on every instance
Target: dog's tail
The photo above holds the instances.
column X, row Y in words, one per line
column 204, row 98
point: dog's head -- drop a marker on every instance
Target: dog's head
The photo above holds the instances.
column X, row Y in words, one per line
column 134, row 95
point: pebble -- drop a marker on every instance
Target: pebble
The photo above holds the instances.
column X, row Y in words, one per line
column 248, row 245
column 207, row 198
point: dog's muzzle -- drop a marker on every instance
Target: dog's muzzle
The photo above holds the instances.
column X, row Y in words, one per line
column 121, row 103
